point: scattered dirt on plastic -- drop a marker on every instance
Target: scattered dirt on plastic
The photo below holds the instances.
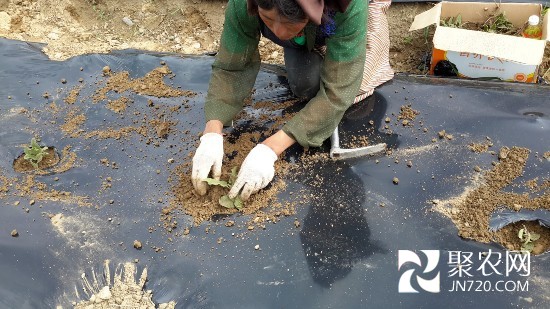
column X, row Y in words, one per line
column 137, row 244
column 151, row 84
column 4, row 185
column 116, row 133
column 547, row 155
column 119, row 105
column 21, row 165
column 73, row 95
column 480, row 147
column 472, row 209
column 356, row 141
column 407, row 115
column 124, row 292
column 73, row 123
column 29, row 187
column 68, row 160
column 162, row 127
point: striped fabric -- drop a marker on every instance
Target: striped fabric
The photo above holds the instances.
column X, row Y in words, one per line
column 377, row 64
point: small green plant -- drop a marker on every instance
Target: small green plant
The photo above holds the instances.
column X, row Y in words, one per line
column 527, row 238
column 452, row 22
column 408, row 40
column 224, row 200
column 499, row 24
column 34, row 153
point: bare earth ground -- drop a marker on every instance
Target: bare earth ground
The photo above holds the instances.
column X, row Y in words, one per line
column 74, row 27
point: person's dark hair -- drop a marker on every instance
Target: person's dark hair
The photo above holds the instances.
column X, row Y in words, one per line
column 287, row 8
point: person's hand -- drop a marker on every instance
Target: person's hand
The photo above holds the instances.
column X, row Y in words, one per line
column 256, row 172
column 208, row 157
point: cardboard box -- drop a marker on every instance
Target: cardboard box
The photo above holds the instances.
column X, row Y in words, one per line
column 478, row 54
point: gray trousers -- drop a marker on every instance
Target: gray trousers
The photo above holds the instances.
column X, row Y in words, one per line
column 303, row 72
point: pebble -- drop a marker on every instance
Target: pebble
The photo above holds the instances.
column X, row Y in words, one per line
column 387, row 120
column 14, row 233
column 127, row 21
column 257, row 247
column 395, row 180
column 137, row 244
column 31, row 202
column 106, row 69
column 16, row 203
column 171, row 160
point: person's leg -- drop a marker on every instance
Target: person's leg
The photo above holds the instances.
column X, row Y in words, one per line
column 303, row 72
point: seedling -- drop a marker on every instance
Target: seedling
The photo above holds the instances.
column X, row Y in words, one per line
column 499, row 24
column 224, row 200
column 528, row 239
column 453, row 22
column 408, row 40
column 34, row 153
column 494, row 24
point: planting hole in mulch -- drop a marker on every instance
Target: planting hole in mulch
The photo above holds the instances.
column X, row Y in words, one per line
column 21, row 165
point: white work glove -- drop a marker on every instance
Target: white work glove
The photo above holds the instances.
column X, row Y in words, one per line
column 208, row 157
column 256, row 172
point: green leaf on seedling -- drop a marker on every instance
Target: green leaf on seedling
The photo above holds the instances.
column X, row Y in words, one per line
column 528, row 247
column 226, row 202
column 233, row 175
column 520, row 233
column 215, row 182
column 34, row 153
column 534, row 236
column 238, row 203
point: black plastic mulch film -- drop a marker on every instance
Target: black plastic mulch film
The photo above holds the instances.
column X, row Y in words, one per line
column 345, row 252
